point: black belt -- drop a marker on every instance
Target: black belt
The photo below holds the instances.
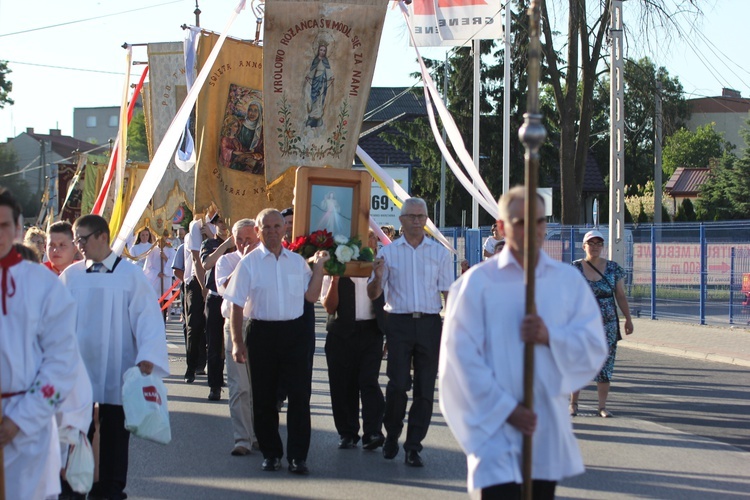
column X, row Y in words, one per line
column 271, row 322
column 416, row 315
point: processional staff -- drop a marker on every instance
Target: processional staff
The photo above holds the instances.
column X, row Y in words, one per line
column 532, row 135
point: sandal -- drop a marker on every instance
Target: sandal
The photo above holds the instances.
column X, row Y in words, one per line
column 573, row 409
column 604, row 413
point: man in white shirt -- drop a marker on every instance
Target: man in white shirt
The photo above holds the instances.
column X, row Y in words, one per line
column 481, row 362
column 238, row 374
column 196, row 292
column 489, row 244
column 413, row 271
column 276, row 282
column 119, row 326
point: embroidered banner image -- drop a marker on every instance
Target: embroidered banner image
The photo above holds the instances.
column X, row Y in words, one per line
column 320, row 59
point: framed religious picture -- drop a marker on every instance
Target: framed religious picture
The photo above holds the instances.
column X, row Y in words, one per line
column 333, row 200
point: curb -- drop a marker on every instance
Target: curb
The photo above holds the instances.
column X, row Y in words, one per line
column 685, row 353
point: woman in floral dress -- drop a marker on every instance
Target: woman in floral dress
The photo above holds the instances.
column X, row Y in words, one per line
column 606, row 280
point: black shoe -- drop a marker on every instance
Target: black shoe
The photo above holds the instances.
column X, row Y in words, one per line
column 271, row 464
column 413, row 459
column 346, row 443
column 298, row 467
column 390, row 448
column 189, row 377
column 214, row 394
column 372, row 441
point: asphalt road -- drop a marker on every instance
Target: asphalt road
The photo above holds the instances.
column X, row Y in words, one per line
column 682, row 430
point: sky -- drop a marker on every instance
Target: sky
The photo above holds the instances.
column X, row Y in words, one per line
column 80, row 62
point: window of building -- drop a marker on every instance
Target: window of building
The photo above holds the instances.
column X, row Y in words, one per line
column 113, row 120
column 91, row 121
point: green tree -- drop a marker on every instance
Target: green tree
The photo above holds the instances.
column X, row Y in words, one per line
column 137, row 142
column 574, row 77
column 685, row 212
column 5, row 85
column 15, row 183
column 640, row 90
column 693, row 149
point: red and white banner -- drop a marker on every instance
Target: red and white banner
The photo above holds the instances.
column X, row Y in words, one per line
column 447, row 23
column 680, row 263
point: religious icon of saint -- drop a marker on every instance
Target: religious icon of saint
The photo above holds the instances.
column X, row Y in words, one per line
column 318, row 86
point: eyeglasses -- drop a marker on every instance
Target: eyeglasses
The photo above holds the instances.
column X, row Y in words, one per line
column 82, row 240
column 522, row 222
column 595, row 243
column 414, row 217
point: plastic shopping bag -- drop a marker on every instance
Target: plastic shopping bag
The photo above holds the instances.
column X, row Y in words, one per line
column 144, row 401
column 79, row 469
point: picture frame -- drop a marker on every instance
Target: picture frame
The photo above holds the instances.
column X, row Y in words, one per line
column 334, row 199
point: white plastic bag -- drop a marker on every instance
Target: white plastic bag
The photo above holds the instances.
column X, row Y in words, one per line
column 144, row 401
column 79, row 469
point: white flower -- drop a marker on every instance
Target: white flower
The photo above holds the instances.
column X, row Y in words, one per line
column 355, row 252
column 344, row 253
column 341, row 239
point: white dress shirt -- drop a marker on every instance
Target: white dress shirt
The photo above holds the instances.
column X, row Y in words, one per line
column 275, row 287
column 414, row 277
column 481, row 366
column 362, row 304
column 225, row 266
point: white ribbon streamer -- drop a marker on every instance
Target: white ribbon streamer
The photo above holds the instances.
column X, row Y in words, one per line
column 184, row 157
column 483, row 196
column 396, row 189
column 163, row 153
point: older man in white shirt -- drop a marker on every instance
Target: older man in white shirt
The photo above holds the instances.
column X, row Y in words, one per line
column 481, row 362
column 276, row 282
column 238, row 374
column 413, row 271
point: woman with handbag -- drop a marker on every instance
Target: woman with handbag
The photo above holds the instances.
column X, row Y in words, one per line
column 606, row 280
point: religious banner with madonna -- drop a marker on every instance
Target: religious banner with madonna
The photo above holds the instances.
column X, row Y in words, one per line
column 319, row 60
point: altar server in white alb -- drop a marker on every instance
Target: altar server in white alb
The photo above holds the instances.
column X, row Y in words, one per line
column 481, row 362
column 38, row 355
column 119, row 326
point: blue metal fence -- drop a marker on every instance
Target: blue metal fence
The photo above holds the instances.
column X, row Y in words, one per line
column 688, row 272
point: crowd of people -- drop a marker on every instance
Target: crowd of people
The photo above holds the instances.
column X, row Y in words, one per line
column 247, row 303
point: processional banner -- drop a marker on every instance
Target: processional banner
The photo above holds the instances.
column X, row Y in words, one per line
column 229, row 131
column 319, row 61
column 448, row 23
column 165, row 92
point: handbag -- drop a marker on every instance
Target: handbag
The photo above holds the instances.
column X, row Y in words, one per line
column 144, row 402
column 617, row 316
column 79, row 469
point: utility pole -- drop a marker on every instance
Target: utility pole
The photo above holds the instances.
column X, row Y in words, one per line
column 658, row 119
column 475, row 126
column 616, row 139
column 506, row 101
column 442, row 158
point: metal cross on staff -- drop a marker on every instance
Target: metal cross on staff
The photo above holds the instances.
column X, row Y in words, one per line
column 532, row 135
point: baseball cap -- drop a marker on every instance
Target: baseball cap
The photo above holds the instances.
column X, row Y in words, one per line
column 591, row 235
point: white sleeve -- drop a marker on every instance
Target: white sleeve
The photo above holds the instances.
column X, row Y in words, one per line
column 222, row 272
column 239, row 286
column 474, row 405
column 194, row 238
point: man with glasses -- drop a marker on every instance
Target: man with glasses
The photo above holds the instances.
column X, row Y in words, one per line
column 413, row 271
column 481, row 361
column 119, row 326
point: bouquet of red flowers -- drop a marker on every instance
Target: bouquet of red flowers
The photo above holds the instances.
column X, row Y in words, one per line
column 340, row 248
